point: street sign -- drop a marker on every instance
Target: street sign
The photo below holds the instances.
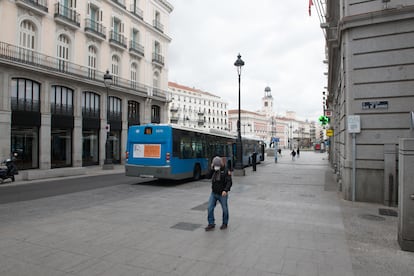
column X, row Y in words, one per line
column 329, row 132
column 354, row 124
column 275, row 139
column 328, row 113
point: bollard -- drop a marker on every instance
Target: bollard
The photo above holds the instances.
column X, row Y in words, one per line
column 254, row 157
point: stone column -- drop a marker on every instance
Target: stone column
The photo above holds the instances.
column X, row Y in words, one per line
column 390, row 175
column 406, row 194
column 77, row 142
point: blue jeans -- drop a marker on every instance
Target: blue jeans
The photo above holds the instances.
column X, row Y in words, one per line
column 212, row 204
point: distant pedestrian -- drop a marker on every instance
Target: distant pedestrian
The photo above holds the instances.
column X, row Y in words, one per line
column 293, row 153
column 297, row 152
column 221, row 183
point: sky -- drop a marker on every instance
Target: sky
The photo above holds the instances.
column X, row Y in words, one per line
column 281, row 45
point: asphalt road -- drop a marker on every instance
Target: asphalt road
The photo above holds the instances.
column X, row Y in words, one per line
column 36, row 190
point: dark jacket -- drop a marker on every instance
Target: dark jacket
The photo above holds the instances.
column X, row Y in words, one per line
column 220, row 181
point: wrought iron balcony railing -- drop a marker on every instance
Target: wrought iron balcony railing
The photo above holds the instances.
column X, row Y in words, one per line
column 136, row 48
column 157, row 58
column 67, row 15
column 118, row 39
column 39, row 6
column 95, row 28
column 25, row 58
column 157, row 25
column 120, row 3
column 136, row 11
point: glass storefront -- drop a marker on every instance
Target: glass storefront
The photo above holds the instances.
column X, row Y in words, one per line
column 90, row 147
column 24, row 147
column 61, row 148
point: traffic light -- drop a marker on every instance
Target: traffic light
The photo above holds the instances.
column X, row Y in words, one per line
column 323, row 119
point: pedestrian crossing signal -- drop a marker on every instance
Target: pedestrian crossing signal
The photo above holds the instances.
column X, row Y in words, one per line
column 324, row 120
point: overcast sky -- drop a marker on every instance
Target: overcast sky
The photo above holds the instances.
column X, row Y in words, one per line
column 281, row 45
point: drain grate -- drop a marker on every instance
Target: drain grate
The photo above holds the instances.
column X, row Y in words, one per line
column 201, row 207
column 371, row 217
column 388, row 212
column 186, row 226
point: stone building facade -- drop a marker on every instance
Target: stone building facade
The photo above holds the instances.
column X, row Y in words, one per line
column 195, row 108
column 55, row 109
column 371, row 75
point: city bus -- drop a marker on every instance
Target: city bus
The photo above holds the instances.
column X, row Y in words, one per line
column 252, row 145
column 173, row 152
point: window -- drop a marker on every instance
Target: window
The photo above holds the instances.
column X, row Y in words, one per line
column 90, row 105
column 156, row 80
column 25, row 95
column 61, row 100
column 157, row 47
column 27, row 40
column 114, row 108
column 63, row 52
column 155, row 114
column 133, row 112
column 134, row 75
column 115, row 69
column 92, row 62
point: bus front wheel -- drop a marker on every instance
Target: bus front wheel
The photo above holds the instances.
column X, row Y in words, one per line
column 197, row 172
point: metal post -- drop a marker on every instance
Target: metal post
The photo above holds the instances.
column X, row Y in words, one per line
column 353, row 165
column 239, row 147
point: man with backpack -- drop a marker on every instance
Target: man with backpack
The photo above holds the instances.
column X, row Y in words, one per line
column 221, row 182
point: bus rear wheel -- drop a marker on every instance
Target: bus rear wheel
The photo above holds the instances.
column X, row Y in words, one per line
column 197, row 172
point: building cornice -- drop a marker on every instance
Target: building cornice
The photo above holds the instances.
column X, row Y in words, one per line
column 166, row 5
column 376, row 17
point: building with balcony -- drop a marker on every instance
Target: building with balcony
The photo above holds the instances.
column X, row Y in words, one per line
column 370, row 58
column 196, row 108
column 55, row 109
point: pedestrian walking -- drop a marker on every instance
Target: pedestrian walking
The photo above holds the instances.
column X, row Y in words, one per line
column 297, row 152
column 221, row 182
column 293, row 153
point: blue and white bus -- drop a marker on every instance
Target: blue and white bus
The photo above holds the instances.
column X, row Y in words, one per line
column 172, row 152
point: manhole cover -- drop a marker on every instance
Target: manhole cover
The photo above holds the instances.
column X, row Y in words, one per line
column 186, row 226
column 371, row 217
column 388, row 212
column 201, row 207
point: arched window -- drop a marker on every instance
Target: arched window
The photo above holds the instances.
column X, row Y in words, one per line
column 92, row 53
column 90, row 105
column 63, row 46
column 134, row 75
column 114, row 108
column 115, row 69
column 61, row 100
column 25, row 95
column 156, row 80
column 27, row 40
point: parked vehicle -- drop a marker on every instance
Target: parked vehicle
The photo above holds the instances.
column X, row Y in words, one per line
column 9, row 171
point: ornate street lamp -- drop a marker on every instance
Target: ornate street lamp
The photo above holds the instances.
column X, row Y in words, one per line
column 239, row 149
column 108, row 158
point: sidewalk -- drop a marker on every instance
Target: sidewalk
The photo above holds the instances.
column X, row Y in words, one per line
column 285, row 219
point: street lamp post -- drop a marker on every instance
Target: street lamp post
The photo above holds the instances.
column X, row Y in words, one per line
column 239, row 148
column 108, row 159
